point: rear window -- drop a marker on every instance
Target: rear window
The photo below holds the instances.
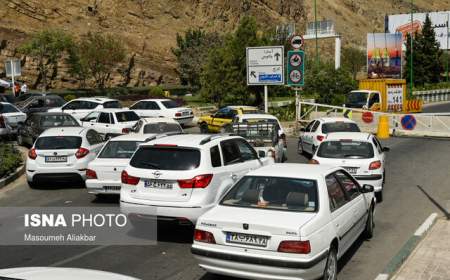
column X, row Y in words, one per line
column 340, row 127
column 58, row 142
column 127, row 116
column 8, row 108
column 112, row 104
column 158, row 128
column 345, row 149
column 58, row 120
column 169, row 104
column 166, row 158
column 273, row 193
column 119, row 149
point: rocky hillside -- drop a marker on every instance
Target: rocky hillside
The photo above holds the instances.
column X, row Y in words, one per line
column 149, row 27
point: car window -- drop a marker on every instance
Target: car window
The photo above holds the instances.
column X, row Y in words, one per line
column 58, row 142
column 161, row 127
column 377, row 144
column 225, row 113
column 93, row 137
column 8, row 108
column 58, row 120
column 112, row 104
column 340, row 127
column 215, row 157
column 151, row 105
column 128, row 116
column 246, row 151
column 72, row 105
column 166, row 158
column 345, row 149
column 335, row 193
column 349, row 185
column 308, row 127
column 273, row 193
column 169, row 104
column 55, row 101
column 137, row 106
column 91, row 116
column 119, row 149
column 103, row 118
column 230, row 152
column 315, row 126
column 87, row 105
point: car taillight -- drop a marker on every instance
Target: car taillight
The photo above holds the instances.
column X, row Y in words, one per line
column 2, row 122
column 125, row 130
column 320, row 138
column 313, row 161
column 32, row 153
column 296, row 247
column 128, row 179
column 204, row 236
column 375, row 165
column 82, row 152
column 91, row 174
column 178, row 114
column 198, row 182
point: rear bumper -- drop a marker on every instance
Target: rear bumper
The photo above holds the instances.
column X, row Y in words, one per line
column 375, row 180
column 103, row 187
column 56, row 178
column 55, row 174
column 185, row 120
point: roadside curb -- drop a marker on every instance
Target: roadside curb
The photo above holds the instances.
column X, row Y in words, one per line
column 19, row 171
column 402, row 255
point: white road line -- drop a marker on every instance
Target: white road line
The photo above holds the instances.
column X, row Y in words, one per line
column 426, row 225
column 88, row 252
column 382, row 277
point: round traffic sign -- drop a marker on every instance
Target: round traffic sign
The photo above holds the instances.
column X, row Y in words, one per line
column 296, row 76
column 297, row 41
column 295, row 60
column 367, row 117
column 408, row 122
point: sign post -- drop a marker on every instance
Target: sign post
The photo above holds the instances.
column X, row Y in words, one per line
column 265, row 66
column 295, row 70
column 13, row 69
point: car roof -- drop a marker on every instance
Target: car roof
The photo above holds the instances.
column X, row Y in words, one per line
column 243, row 107
column 66, row 131
column 131, row 137
column 358, row 136
column 258, row 116
column 190, row 140
column 335, row 119
column 99, row 99
column 158, row 120
column 155, row 99
column 113, row 110
column 50, row 114
column 293, row 170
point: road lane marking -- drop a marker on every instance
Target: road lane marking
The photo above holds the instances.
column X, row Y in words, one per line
column 382, row 277
column 426, row 225
column 88, row 252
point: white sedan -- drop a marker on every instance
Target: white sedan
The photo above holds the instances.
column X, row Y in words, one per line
column 292, row 224
column 110, row 122
column 166, row 108
column 157, row 126
column 361, row 154
column 10, row 117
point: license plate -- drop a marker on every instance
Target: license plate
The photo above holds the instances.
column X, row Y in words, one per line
column 56, row 159
column 247, row 239
column 185, row 113
column 351, row 170
column 158, row 185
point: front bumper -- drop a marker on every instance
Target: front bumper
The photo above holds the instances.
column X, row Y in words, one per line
column 95, row 186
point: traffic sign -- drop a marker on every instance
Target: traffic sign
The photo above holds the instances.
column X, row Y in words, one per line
column 367, row 117
column 297, row 42
column 13, row 68
column 408, row 122
column 265, row 65
column 296, row 68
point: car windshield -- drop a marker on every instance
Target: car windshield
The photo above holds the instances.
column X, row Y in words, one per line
column 128, row 116
column 161, row 127
column 58, row 120
column 119, row 149
column 166, row 158
column 273, row 193
column 340, row 127
column 112, row 104
column 259, row 120
column 8, row 108
column 58, row 142
column 357, row 97
column 169, row 104
column 345, row 149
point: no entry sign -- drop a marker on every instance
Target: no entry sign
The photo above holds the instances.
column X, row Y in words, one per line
column 408, row 122
column 367, row 117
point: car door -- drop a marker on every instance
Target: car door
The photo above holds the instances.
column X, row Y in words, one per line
column 103, row 123
column 357, row 202
column 95, row 141
column 223, row 117
column 238, row 163
column 379, row 151
column 139, row 108
column 307, row 136
column 341, row 212
column 90, row 120
column 151, row 109
column 72, row 107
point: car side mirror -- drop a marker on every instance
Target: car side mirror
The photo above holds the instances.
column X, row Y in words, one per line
column 386, row 149
column 83, row 119
column 302, row 129
column 262, row 154
column 367, row 188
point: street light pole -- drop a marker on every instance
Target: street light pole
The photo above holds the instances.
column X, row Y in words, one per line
column 448, row 51
column 315, row 30
column 411, row 71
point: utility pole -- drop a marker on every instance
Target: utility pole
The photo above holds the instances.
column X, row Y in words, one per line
column 448, row 51
column 411, row 71
column 315, row 30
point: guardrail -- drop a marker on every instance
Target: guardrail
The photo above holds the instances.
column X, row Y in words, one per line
column 435, row 95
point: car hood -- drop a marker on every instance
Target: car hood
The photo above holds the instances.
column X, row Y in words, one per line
column 57, row 273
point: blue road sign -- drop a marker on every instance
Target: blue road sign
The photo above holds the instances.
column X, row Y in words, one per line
column 408, row 122
column 270, row 78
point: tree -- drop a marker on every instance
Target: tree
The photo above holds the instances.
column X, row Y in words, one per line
column 47, row 47
column 98, row 55
column 353, row 60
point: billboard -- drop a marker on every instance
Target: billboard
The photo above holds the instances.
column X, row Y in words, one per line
column 384, row 55
column 439, row 20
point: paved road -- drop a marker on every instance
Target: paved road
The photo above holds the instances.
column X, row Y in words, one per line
column 443, row 107
column 410, row 162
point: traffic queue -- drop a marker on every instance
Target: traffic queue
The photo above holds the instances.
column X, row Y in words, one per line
column 254, row 216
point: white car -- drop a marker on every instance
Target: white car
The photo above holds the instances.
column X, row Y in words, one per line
column 157, row 126
column 57, row 273
column 258, row 118
column 315, row 132
column 183, row 176
column 103, row 173
column 163, row 108
column 80, row 107
column 361, row 154
column 10, row 117
column 110, row 122
column 62, row 155
column 285, row 221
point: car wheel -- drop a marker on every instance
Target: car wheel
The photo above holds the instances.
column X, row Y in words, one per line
column 300, row 147
column 32, row 184
column 330, row 272
column 204, row 128
column 370, row 224
column 379, row 196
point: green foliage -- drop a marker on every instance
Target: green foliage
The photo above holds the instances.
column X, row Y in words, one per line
column 47, row 47
column 433, row 86
column 353, row 60
column 10, row 159
column 156, row 91
column 284, row 113
column 69, row 97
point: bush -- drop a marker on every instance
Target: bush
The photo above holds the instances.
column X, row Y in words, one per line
column 69, row 97
column 10, row 159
